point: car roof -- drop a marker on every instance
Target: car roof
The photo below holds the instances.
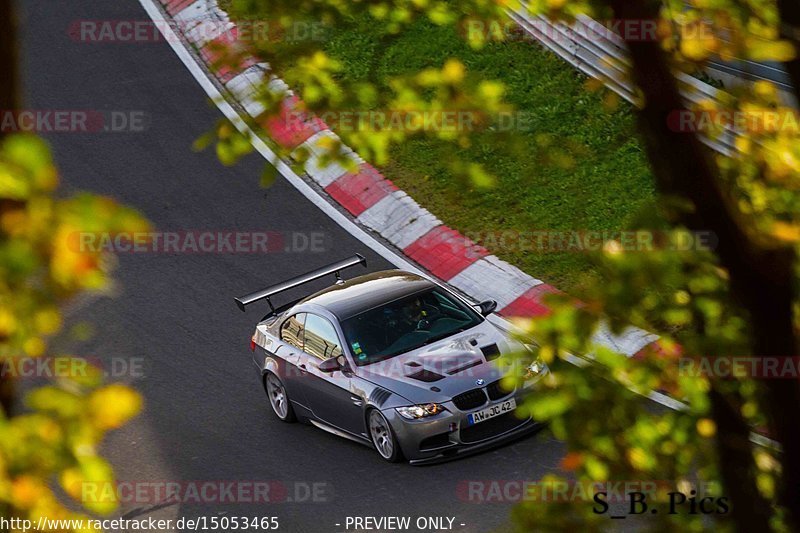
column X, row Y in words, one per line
column 360, row 294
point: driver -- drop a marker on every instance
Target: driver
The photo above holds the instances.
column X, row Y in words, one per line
column 419, row 314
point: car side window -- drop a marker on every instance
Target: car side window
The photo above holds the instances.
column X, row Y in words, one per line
column 321, row 339
column 292, row 330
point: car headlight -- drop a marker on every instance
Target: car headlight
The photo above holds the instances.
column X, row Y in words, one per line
column 536, row 367
column 415, row 412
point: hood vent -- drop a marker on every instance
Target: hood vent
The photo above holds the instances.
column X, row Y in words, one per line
column 461, row 368
column 491, row 352
column 426, row 375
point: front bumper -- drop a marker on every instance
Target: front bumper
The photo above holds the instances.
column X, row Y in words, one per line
column 448, row 436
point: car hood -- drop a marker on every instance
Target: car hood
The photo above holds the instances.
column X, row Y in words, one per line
column 446, row 368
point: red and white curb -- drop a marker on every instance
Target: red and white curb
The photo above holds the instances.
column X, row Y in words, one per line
column 373, row 202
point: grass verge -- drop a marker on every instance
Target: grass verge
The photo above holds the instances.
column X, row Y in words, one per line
column 578, row 166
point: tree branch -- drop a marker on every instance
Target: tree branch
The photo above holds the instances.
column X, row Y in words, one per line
column 761, row 278
column 9, row 101
column 789, row 11
column 9, row 64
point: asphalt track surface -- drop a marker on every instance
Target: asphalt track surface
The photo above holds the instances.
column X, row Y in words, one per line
column 206, row 414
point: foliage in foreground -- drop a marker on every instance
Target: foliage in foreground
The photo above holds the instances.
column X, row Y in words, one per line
column 52, row 440
column 703, row 303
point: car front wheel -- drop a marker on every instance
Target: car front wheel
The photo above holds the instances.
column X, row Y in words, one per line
column 383, row 438
column 278, row 399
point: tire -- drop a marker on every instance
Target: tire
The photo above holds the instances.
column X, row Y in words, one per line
column 382, row 436
column 278, row 398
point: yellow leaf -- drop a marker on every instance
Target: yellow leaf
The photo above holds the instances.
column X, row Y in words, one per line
column 572, row 461
column 48, row 321
column 639, row 459
column 114, row 405
column 26, row 491
column 786, row 232
column 547, row 354
column 72, row 482
column 8, row 323
column 744, row 144
column 706, row 427
column 779, row 51
column 593, row 85
column 765, row 90
column 694, row 49
column 453, row 71
column 34, row 347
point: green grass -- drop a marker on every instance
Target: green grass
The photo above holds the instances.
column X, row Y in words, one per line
column 605, row 188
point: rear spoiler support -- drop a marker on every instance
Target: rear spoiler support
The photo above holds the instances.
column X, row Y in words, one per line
column 333, row 268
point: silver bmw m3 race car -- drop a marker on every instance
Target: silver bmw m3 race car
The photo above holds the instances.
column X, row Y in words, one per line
column 392, row 360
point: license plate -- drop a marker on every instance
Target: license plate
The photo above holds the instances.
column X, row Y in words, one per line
column 491, row 412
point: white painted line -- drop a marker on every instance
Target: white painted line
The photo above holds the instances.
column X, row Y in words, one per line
column 285, row 170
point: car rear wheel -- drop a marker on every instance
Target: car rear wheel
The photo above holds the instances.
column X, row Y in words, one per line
column 383, row 438
column 278, row 399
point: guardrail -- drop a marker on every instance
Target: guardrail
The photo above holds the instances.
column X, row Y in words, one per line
column 748, row 71
column 605, row 57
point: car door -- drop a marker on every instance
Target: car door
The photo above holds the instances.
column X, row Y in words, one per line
column 335, row 397
column 290, row 353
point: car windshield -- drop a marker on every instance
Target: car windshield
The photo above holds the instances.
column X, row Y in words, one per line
column 406, row 324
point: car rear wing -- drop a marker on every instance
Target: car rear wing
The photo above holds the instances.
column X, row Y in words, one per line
column 333, row 268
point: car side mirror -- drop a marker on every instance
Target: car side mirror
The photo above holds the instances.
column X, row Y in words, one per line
column 334, row 364
column 330, row 366
column 488, row 307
